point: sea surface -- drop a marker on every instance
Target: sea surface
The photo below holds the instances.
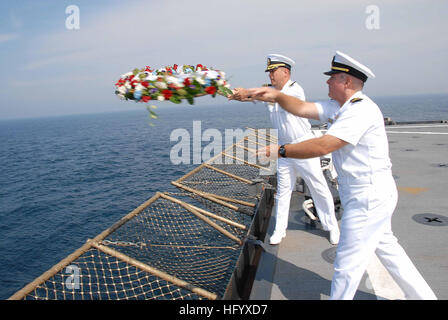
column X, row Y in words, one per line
column 66, row 179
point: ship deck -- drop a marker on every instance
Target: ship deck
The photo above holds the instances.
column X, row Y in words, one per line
column 301, row 266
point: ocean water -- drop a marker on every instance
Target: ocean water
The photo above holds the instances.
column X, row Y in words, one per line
column 64, row 180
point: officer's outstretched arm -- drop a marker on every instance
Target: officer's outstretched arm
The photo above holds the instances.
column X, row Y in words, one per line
column 311, row 148
column 291, row 104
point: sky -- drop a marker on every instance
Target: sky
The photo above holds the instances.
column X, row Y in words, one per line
column 49, row 68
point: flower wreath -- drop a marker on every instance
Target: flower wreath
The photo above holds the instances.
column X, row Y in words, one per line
column 171, row 84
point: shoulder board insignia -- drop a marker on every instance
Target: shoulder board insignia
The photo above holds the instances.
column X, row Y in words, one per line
column 292, row 84
column 354, row 100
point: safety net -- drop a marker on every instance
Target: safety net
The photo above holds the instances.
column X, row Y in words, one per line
column 177, row 245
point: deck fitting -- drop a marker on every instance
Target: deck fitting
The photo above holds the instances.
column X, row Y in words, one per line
column 431, row 219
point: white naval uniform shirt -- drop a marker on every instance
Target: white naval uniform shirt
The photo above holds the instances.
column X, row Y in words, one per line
column 290, row 128
column 361, row 124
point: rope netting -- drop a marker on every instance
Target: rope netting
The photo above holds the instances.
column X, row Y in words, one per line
column 105, row 277
column 172, row 239
column 177, row 245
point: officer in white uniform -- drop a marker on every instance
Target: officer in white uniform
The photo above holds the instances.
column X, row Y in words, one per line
column 357, row 138
column 293, row 129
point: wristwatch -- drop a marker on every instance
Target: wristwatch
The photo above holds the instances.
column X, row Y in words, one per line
column 282, row 151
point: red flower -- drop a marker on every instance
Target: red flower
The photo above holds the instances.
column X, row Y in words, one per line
column 148, row 68
column 146, row 98
column 210, row 90
column 175, row 67
column 204, row 68
column 133, row 83
column 187, row 82
column 167, row 94
column 145, row 84
column 120, row 82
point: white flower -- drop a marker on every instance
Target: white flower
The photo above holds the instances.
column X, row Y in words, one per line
column 175, row 80
column 121, row 90
column 200, row 80
column 121, row 96
column 220, row 82
column 151, row 77
column 212, row 74
column 139, row 87
column 161, row 98
column 171, row 79
column 161, row 85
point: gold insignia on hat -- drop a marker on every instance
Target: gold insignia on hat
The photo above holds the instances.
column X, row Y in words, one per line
column 340, row 69
column 275, row 66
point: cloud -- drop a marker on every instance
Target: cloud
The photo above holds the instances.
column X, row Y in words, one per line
column 176, row 30
column 68, row 58
column 5, row 37
column 15, row 21
column 233, row 36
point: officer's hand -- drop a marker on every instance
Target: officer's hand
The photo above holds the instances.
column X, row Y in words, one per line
column 263, row 94
column 270, row 151
column 240, row 94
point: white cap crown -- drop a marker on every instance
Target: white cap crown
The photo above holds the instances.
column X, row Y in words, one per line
column 344, row 63
column 277, row 60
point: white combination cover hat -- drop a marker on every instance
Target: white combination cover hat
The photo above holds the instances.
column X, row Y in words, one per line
column 277, row 60
column 344, row 63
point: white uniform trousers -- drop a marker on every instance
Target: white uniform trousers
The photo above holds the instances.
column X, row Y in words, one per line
column 366, row 230
column 310, row 170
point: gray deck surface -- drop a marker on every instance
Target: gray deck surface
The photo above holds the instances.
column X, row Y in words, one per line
column 300, row 267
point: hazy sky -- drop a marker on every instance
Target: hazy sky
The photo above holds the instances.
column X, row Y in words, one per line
column 48, row 69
